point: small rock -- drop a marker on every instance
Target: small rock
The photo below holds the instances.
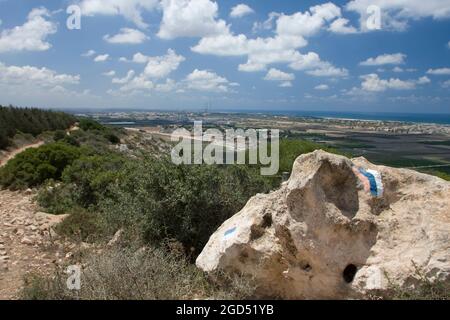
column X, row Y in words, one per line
column 27, row 241
column 116, row 239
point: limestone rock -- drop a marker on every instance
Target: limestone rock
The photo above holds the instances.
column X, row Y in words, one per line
column 322, row 235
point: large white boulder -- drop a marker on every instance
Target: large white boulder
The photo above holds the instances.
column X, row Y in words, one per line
column 324, row 235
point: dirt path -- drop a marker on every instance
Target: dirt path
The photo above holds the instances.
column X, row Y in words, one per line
column 26, row 243
column 27, row 239
column 13, row 153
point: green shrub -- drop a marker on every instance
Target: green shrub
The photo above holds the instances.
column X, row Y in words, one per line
column 56, row 197
column 111, row 137
column 87, row 124
column 185, row 203
column 81, row 225
column 59, row 135
column 92, row 176
column 34, row 166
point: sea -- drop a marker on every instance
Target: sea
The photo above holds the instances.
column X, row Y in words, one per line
column 372, row 116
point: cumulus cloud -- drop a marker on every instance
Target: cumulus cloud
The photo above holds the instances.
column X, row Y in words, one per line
column 127, row 36
column 186, row 18
column 130, row 9
column 101, row 58
column 446, row 84
column 240, row 11
column 397, row 13
column 111, row 73
column 286, row 84
column 328, row 70
column 342, row 26
column 204, row 80
column 29, row 76
column 439, row 72
column 322, row 87
column 283, row 47
column 31, row 36
column 278, row 75
column 373, row 83
column 89, row 53
column 125, row 79
column 384, row 59
column 161, row 67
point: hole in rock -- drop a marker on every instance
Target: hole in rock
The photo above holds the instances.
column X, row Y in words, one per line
column 349, row 273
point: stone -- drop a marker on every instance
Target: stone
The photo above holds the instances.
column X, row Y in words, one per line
column 27, row 241
column 322, row 235
column 117, row 238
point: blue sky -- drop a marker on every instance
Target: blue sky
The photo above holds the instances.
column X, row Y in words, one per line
column 247, row 54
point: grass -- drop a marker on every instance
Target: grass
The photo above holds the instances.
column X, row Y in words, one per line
column 137, row 274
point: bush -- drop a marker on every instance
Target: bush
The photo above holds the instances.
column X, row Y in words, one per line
column 59, row 135
column 81, row 225
column 144, row 274
column 56, row 198
column 87, row 124
column 185, row 203
column 33, row 167
column 111, row 137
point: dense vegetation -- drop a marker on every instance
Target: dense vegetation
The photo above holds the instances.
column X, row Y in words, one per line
column 169, row 210
column 30, row 121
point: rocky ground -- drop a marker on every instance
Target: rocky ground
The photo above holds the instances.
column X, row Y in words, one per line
column 28, row 242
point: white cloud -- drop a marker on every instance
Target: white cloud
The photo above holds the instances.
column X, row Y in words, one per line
column 283, row 47
column 161, row 67
column 204, row 80
column 396, row 58
column 286, row 84
column 341, row 26
column 89, row 53
column 397, row 13
column 138, row 83
column 423, row 80
column 31, row 36
column 29, row 76
column 439, row 72
column 101, row 58
column 168, row 86
column 446, row 84
column 267, row 24
column 124, row 80
column 372, row 82
column 130, row 9
column 278, row 75
column 111, row 73
column 127, row 36
column 322, row 87
column 186, row 18
column 448, row 44
column 309, row 22
column 328, row 70
column 240, row 11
